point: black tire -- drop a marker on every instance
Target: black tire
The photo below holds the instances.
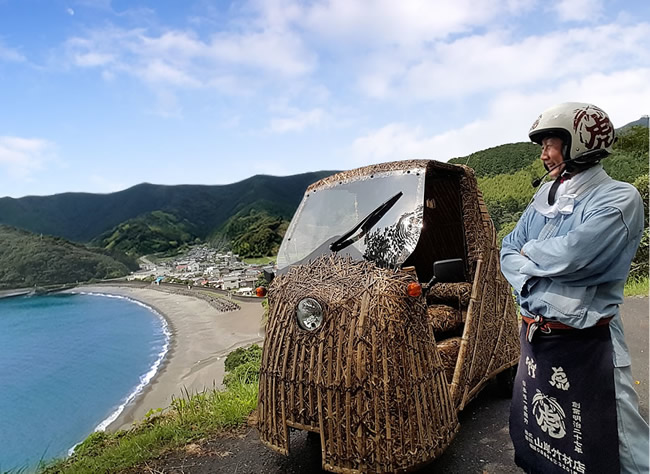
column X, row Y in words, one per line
column 506, row 381
column 313, row 437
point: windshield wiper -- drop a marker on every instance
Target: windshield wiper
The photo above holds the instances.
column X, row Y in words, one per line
column 365, row 225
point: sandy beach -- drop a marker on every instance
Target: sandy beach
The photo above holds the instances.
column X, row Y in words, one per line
column 201, row 338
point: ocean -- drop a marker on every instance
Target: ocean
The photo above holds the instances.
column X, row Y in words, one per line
column 69, row 363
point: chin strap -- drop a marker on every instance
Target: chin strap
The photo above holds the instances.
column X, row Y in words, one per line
column 553, row 190
column 556, row 184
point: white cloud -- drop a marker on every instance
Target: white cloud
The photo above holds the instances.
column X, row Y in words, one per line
column 159, row 71
column 413, row 52
column 276, row 52
column 181, row 58
column 407, row 22
column 493, row 61
column 93, row 59
column 399, row 141
column 21, row 157
column 579, row 10
column 297, row 120
column 9, row 54
column 624, row 95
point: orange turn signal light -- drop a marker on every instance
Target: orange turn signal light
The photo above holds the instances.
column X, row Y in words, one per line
column 414, row 289
column 260, row 291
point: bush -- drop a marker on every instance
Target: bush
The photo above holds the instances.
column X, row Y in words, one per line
column 242, row 356
column 246, row 373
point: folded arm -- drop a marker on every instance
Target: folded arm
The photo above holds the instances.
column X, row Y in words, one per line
column 586, row 251
column 511, row 258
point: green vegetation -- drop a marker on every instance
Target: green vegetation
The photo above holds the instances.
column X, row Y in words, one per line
column 639, row 270
column 251, row 217
column 190, row 418
column 243, row 356
column 155, row 232
column 271, row 259
column 505, row 172
column 82, row 217
column 636, row 286
column 254, row 233
column 243, row 366
column 28, row 260
column 502, row 159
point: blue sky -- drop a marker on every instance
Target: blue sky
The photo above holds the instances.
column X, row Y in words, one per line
column 100, row 95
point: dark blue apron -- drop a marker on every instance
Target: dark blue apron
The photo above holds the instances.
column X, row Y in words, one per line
column 563, row 411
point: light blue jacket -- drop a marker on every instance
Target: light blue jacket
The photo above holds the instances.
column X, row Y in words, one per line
column 575, row 265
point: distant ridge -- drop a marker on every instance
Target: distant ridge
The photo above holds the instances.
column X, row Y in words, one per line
column 642, row 122
column 251, row 216
column 81, row 217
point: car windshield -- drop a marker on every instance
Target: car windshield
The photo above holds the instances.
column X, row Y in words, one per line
column 327, row 214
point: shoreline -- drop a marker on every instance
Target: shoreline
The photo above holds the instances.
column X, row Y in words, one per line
column 200, row 339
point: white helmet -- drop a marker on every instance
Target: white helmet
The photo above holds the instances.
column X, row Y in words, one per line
column 586, row 131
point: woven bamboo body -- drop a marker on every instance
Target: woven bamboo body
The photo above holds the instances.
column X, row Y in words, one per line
column 371, row 380
column 490, row 341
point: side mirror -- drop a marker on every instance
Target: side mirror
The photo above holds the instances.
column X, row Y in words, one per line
column 448, row 271
column 268, row 275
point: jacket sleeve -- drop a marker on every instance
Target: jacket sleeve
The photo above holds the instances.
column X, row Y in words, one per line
column 587, row 251
column 511, row 259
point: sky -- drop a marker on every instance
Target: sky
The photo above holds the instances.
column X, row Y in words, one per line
column 100, row 95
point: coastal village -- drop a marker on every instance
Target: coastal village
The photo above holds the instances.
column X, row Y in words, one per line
column 202, row 266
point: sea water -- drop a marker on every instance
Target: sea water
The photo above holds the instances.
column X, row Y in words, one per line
column 68, row 366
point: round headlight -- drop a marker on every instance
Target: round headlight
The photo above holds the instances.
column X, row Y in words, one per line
column 309, row 314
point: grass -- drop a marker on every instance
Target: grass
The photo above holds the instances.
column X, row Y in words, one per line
column 189, row 418
column 636, row 287
column 260, row 260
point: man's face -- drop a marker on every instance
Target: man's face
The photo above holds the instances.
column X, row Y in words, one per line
column 552, row 155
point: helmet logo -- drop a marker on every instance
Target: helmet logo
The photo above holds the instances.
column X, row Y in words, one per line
column 593, row 127
column 536, row 123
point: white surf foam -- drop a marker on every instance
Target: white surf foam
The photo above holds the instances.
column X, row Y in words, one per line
column 144, row 379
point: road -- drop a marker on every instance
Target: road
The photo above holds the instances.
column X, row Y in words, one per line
column 481, row 446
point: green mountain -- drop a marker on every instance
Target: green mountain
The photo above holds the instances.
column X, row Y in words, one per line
column 82, row 217
column 644, row 121
column 150, row 233
column 253, row 233
column 502, row 159
column 251, row 216
column 28, row 259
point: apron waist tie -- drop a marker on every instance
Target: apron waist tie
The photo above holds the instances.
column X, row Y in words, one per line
column 546, row 326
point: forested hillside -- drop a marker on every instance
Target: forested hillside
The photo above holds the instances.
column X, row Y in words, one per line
column 251, row 217
column 252, row 233
column 28, row 260
column 154, row 232
column 82, row 217
column 505, row 173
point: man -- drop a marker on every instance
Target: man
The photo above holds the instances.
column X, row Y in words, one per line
column 574, row 408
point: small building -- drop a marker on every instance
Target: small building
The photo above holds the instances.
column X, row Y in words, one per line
column 231, row 281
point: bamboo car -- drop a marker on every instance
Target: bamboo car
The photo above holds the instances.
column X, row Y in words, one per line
column 388, row 314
